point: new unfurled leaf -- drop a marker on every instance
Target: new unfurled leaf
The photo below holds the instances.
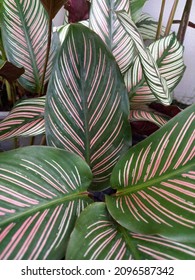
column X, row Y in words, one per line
column 155, row 182
column 42, row 192
column 87, row 104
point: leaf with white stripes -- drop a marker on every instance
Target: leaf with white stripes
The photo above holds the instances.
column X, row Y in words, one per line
column 155, row 182
column 154, row 80
column 147, row 26
column 24, row 25
column 43, row 191
column 168, row 55
column 25, row 119
column 87, row 103
column 103, row 20
column 104, row 239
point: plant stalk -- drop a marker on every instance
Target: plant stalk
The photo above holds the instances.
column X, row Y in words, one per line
column 41, row 92
column 158, row 33
column 171, row 17
column 184, row 21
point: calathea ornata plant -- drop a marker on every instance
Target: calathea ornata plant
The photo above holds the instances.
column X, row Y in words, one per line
column 47, row 208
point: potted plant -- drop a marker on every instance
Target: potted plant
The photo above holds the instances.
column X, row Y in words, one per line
column 48, row 193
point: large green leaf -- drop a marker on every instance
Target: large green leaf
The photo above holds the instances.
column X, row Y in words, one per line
column 97, row 236
column 25, row 119
column 87, row 103
column 168, row 54
column 103, row 20
column 43, row 191
column 155, row 182
column 154, row 80
column 24, row 27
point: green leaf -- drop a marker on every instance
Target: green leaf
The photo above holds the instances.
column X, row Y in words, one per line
column 154, row 80
column 9, row 71
column 103, row 20
column 52, row 6
column 24, row 27
column 168, row 55
column 87, row 103
column 104, row 239
column 136, row 9
column 155, row 182
column 25, row 119
column 43, row 191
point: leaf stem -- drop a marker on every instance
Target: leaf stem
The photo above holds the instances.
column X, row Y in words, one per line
column 160, row 20
column 171, row 17
column 184, row 21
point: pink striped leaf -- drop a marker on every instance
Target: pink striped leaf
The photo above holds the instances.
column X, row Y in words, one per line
column 24, row 25
column 87, row 103
column 155, row 182
column 42, row 192
column 25, row 119
column 155, row 81
column 104, row 239
column 168, row 55
column 103, row 20
column 148, row 115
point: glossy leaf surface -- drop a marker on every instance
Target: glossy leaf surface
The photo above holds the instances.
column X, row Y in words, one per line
column 104, row 239
column 25, row 119
column 43, row 191
column 155, row 182
column 104, row 21
column 24, row 31
column 87, row 104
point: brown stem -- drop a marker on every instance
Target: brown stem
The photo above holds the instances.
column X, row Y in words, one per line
column 172, row 14
column 184, row 21
column 47, row 52
column 190, row 23
column 160, row 20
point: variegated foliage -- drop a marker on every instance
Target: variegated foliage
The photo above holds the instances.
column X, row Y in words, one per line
column 103, row 20
column 154, row 80
column 87, row 104
column 24, row 26
column 155, row 182
column 25, row 119
column 104, row 239
column 168, row 55
column 148, row 115
column 148, row 26
column 43, row 191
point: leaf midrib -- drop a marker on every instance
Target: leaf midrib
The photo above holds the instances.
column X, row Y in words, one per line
column 44, row 206
column 153, row 181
